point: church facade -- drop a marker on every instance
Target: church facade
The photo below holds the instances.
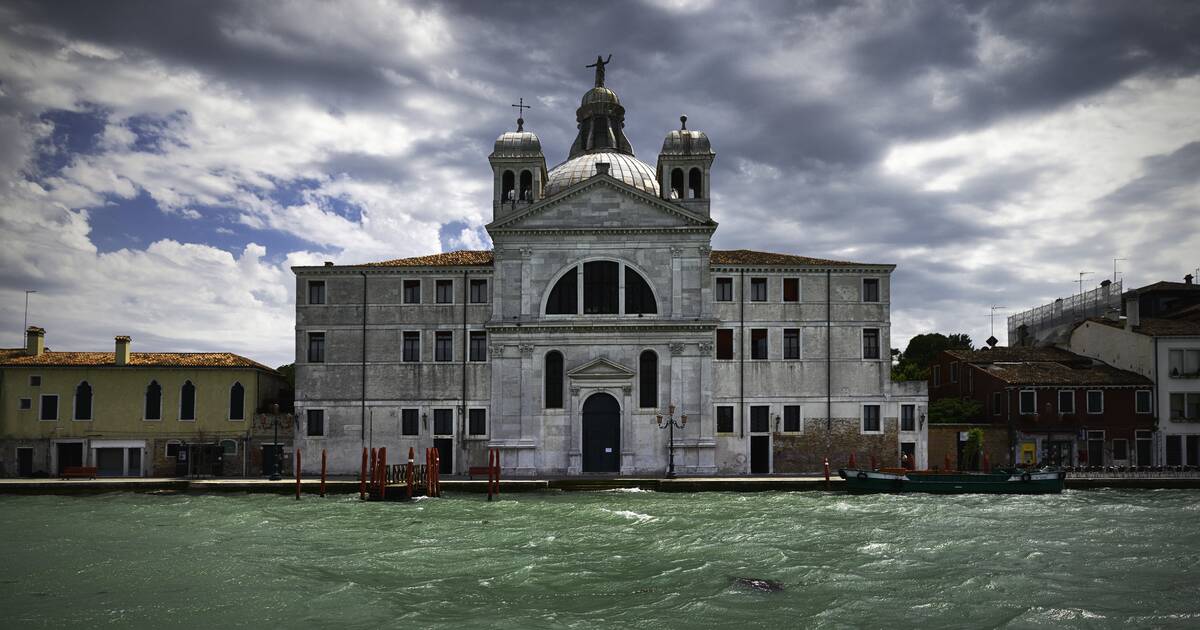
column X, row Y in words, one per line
column 601, row 313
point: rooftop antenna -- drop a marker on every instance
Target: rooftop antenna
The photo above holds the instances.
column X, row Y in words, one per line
column 26, row 327
column 993, row 318
column 1081, row 275
column 521, row 107
column 1115, row 272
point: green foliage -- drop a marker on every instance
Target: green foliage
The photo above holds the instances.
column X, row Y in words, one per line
column 289, row 373
column 955, row 410
column 913, row 363
column 974, row 447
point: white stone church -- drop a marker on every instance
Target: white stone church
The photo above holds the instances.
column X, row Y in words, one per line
column 601, row 306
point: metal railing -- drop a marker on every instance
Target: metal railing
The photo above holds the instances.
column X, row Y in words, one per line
column 1133, row 472
column 1094, row 303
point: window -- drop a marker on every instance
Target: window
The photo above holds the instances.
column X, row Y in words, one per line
column 724, row 289
column 554, row 380
column 412, row 291
column 35, row 380
column 791, row 418
column 870, row 289
column 478, row 346
column 443, row 421
column 229, row 447
column 409, row 424
column 563, row 298
column 791, row 289
column 870, row 419
column 237, row 402
column 758, row 289
column 791, row 343
column 724, row 419
column 477, row 422
column 1174, row 450
column 1185, row 407
column 725, row 344
column 1066, row 401
column 316, row 291
column 997, row 403
column 601, row 285
column 526, row 186
column 443, row 291
column 760, row 419
column 677, row 183
column 1143, row 443
column 648, row 379
column 173, row 448
column 908, row 417
column 1028, row 402
column 478, row 292
column 25, row 404
column 411, row 347
column 936, row 374
column 639, row 299
column 508, row 187
column 153, row 407
column 954, row 372
column 316, row 347
column 83, row 401
column 1095, row 401
column 758, row 343
column 1184, row 363
column 871, row 343
column 1143, row 402
column 187, row 401
column 316, row 423
column 49, row 407
column 443, row 345
column 695, row 188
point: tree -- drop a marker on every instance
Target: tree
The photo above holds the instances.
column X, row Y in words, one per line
column 289, row 373
column 955, row 410
column 913, row 363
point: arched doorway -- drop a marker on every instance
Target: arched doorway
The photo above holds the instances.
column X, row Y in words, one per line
column 601, row 434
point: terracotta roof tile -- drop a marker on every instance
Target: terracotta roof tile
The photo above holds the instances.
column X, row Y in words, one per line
column 752, row 257
column 1157, row 327
column 1016, row 353
column 1055, row 373
column 18, row 358
column 461, row 258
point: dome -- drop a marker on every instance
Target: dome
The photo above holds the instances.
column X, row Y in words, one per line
column 624, row 167
column 686, row 142
column 599, row 95
column 517, row 144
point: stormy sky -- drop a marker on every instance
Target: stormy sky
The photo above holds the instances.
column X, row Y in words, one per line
column 163, row 164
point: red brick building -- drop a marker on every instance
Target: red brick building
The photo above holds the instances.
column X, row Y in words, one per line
column 1056, row 407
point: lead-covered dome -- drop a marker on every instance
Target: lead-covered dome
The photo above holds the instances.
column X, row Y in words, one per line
column 623, row 167
column 517, row 144
column 686, row 142
column 599, row 95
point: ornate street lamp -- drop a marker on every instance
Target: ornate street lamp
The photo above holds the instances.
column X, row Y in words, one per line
column 670, row 424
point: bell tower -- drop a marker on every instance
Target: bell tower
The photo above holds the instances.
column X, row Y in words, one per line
column 518, row 169
column 684, row 165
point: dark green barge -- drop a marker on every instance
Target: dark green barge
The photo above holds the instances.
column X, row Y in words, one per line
column 1007, row 482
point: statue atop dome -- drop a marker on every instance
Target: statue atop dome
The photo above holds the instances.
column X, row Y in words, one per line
column 599, row 66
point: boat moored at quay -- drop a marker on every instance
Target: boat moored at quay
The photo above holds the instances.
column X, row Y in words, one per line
column 1014, row 481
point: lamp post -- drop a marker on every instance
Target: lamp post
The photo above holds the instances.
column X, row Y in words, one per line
column 275, row 474
column 26, row 328
column 669, row 424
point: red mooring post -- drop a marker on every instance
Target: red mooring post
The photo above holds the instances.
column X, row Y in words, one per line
column 872, row 461
column 408, row 477
column 947, row 461
column 437, row 472
column 827, row 470
column 362, row 477
column 323, row 462
column 297, row 474
column 383, row 473
column 852, row 463
column 428, row 472
column 497, row 492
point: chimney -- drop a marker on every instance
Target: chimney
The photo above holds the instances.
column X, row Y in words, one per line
column 328, row 263
column 1187, row 279
column 602, row 168
column 35, row 341
column 122, row 353
column 1132, row 314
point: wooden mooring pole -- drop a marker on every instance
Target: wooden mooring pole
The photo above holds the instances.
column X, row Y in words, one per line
column 297, row 474
column 323, row 462
column 408, row 477
column 383, row 473
column 362, row 477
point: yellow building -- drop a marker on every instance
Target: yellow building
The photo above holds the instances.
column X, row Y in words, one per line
column 138, row 413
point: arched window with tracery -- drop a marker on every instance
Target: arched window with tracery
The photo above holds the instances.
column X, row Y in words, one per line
column 153, row 409
column 187, row 401
column 602, row 291
column 237, row 402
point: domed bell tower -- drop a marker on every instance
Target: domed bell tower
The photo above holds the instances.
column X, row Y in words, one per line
column 518, row 169
column 684, row 165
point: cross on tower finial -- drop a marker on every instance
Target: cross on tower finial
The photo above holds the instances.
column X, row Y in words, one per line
column 521, row 107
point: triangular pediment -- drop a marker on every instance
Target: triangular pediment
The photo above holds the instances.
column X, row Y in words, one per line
column 601, row 202
column 601, row 369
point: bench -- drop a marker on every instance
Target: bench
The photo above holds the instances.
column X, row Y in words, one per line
column 79, row 472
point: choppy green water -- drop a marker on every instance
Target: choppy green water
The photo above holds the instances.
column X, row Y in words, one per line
column 604, row 559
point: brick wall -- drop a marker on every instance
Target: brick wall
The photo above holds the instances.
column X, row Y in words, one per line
column 943, row 440
column 806, row 452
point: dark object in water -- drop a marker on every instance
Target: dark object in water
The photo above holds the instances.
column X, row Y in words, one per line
column 766, row 586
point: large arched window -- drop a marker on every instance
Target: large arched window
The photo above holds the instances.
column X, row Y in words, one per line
column 187, row 401
column 153, row 401
column 648, row 380
column 507, row 187
column 601, row 293
column 237, row 402
column 83, row 401
column 526, row 186
column 695, row 184
column 554, row 380
column 677, row 183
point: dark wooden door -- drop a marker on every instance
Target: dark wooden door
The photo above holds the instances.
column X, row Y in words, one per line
column 601, row 434
column 270, row 454
column 25, row 462
column 445, row 447
column 760, row 454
